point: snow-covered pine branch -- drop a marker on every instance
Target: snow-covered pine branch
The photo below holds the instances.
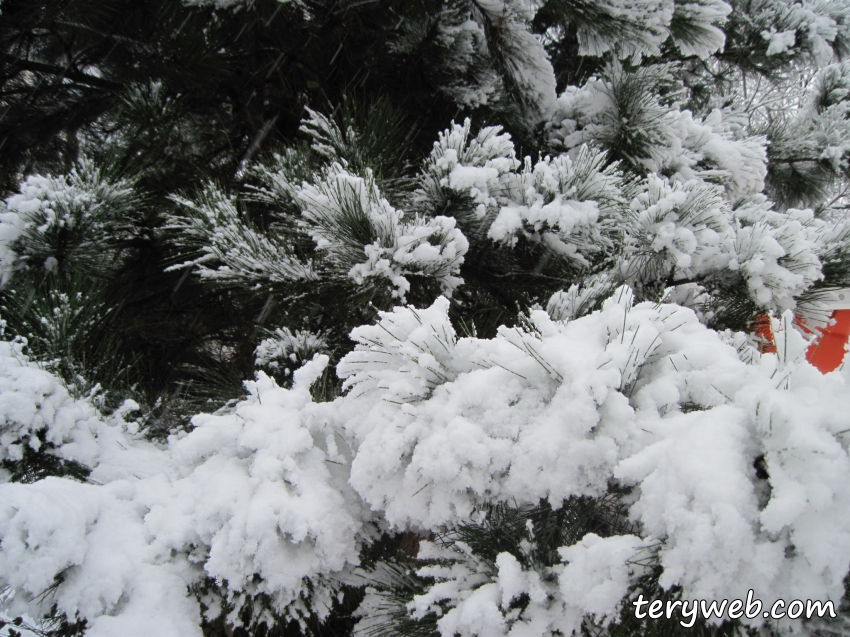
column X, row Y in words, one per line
column 76, row 220
column 213, row 228
column 348, row 219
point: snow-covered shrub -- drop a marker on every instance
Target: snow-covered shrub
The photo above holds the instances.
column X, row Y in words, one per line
column 126, row 546
column 571, row 206
column 651, row 233
column 690, row 421
column 475, row 169
column 640, row 394
column 44, row 428
column 574, row 206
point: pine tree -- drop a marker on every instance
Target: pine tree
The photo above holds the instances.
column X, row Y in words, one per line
column 427, row 317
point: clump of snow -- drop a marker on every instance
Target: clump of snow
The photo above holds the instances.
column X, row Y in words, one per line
column 258, row 490
column 130, row 543
column 779, row 42
column 697, row 492
column 597, row 576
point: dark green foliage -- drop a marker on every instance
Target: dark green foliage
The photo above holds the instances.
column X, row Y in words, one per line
column 37, row 465
column 66, row 323
column 256, row 616
column 531, row 534
column 367, row 134
column 182, row 92
column 170, row 94
column 505, row 528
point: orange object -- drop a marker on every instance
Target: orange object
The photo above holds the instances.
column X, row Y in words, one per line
column 762, row 329
column 828, row 351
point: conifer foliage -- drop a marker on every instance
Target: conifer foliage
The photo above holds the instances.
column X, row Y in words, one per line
column 420, row 317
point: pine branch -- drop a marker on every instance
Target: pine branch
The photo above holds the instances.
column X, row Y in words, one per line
column 62, row 72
